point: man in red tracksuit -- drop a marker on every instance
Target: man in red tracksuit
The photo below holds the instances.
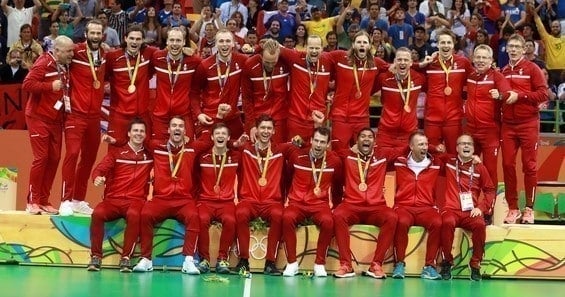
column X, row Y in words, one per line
column 520, row 127
column 315, row 171
column 260, row 193
column 217, row 80
column 126, row 174
column 486, row 90
column 355, row 74
column 399, row 98
column 364, row 202
column 264, row 90
column 128, row 72
column 173, row 194
column 48, row 84
column 218, row 173
column 310, row 75
column 174, row 72
column 414, row 203
column 463, row 208
column 82, row 124
column 446, row 76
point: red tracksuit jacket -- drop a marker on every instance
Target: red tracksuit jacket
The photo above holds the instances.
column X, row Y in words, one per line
column 208, row 176
column 481, row 110
column 416, row 190
column 86, row 101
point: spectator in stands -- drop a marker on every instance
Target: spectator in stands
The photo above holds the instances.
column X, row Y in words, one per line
column 300, row 38
column 125, row 175
column 421, row 44
column 289, row 42
column 251, row 38
column 527, row 32
column 252, row 14
column 209, row 39
column 30, row 48
column 520, row 128
column 152, row 28
column 318, row 25
column 240, row 29
column 137, row 13
column 274, row 31
column 374, row 19
column 547, row 110
column 502, row 55
column 110, row 39
column 331, row 39
column 431, row 8
column 176, row 19
column 49, row 40
column 47, row 10
column 400, row 33
column 377, row 42
column 166, row 11
column 530, row 55
column 458, row 17
column 88, row 10
column 303, row 9
column 49, row 98
column 197, row 30
column 363, row 202
column 61, row 14
column 418, row 170
column 413, row 16
column 515, row 11
column 436, row 24
column 228, row 8
column 287, row 19
column 345, row 33
column 464, row 206
column 472, row 28
column 315, row 172
column 18, row 16
column 553, row 43
column 118, row 18
column 3, row 45
column 13, row 72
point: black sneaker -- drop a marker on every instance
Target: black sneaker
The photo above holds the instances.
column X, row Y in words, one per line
column 94, row 264
column 475, row 273
column 271, row 269
column 125, row 265
column 242, row 266
column 445, row 271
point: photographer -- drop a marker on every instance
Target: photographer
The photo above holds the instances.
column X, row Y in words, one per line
column 13, row 72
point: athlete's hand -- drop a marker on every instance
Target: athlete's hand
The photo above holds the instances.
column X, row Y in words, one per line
column 57, row 85
column 440, row 148
column 477, row 159
column 108, row 139
column 203, row 119
column 99, row 180
column 494, row 94
column 253, row 134
column 513, row 98
column 476, row 212
column 318, row 118
column 223, row 110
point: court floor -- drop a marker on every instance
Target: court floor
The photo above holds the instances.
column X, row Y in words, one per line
column 24, row 281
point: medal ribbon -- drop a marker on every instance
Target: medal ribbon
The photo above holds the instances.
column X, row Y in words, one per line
column 318, row 179
column 471, row 170
column 267, row 82
column 173, row 76
column 446, row 69
column 263, row 168
column 222, row 82
column 405, row 97
column 136, row 67
column 363, row 170
column 91, row 63
column 315, row 80
column 356, row 75
column 175, row 167
column 222, row 164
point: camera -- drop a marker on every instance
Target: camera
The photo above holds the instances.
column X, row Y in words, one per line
column 65, row 6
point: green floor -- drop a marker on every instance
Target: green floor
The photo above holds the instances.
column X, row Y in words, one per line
column 39, row 281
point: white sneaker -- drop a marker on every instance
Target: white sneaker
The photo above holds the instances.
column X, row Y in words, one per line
column 291, row 269
column 82, row 207
column 66, row 208
column 320, row 270
column 144, row 265
column 188, row 266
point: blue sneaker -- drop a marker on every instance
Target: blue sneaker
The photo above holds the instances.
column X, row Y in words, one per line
column 204, row 266
column 222, row 267
column 429, row 272
column 399, row 270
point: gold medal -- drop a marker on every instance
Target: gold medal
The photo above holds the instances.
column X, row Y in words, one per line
column 358, row 95
column 96, row 84
column 262, row 181
column 407, row 108
column 362, row 187
column 131, row 89
column 317, row 191
column 447, row 91
column 217, row 189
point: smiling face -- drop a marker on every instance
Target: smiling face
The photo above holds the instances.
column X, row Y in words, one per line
column 314, row 48
column 465, row 148
column 482, row 59
column 403, row 61
column 265, row 130
column 220, row 137
column 319, row 144
column 134, row 40
column 365, row 142
column 515, row 49
column 137, row 134
column 176, row 131
column 224, row 43
column 419, row 147
column 445, row 45
column 94, row 36
column 175, row 42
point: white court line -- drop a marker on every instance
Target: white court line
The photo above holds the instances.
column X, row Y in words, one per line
column 247, row 287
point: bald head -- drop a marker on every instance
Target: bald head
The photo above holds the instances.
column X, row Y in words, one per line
column 63, row 49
